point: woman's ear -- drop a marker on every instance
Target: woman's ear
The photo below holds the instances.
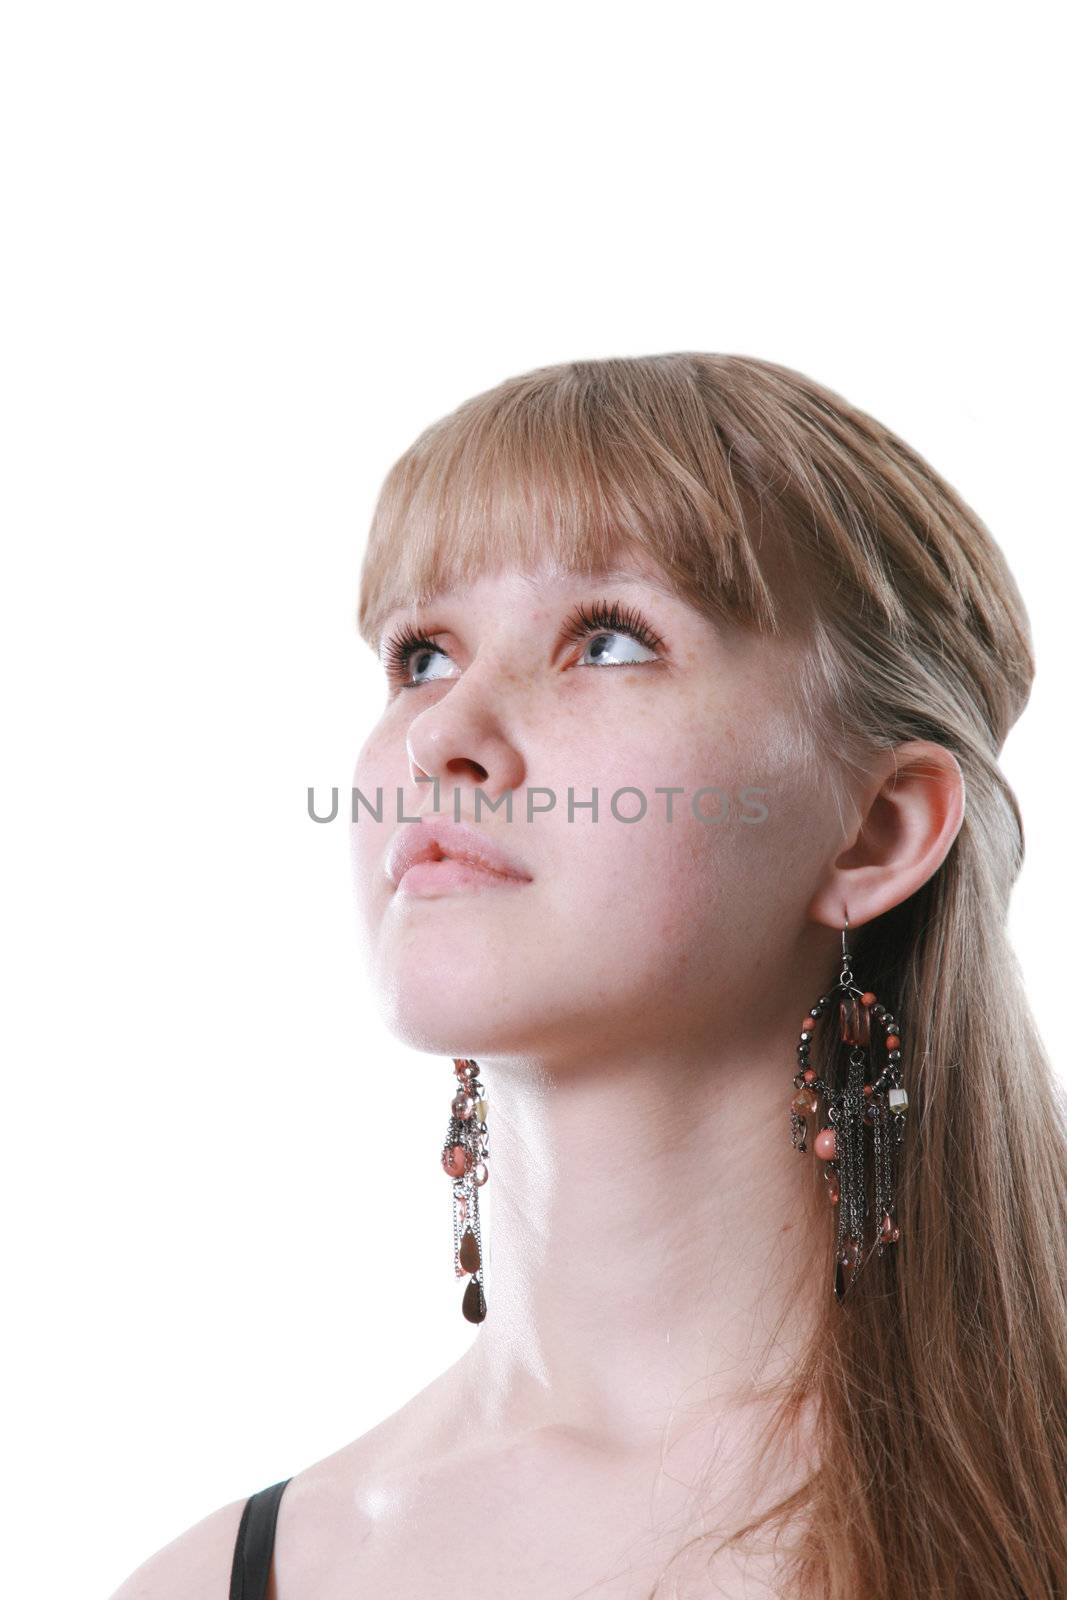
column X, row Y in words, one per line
column 909, row 815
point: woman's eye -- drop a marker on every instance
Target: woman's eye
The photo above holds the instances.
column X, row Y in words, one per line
column 614, row 649
column 426, row 664
column 613, row 635
column 412, row 659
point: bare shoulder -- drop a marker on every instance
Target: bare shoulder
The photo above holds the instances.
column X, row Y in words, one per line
column 339, row 1516
column 319, row 1521
column 326, row 1516
column 194, row 1566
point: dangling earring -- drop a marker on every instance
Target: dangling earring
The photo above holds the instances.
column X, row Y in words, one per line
column 866, row 1101
column 464, row 1156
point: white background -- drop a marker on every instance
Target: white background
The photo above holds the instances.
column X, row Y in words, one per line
column 250, row 251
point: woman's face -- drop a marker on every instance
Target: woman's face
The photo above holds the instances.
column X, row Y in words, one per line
column 667, row 928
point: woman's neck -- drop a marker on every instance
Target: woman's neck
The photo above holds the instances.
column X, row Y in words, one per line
column 650, row 1250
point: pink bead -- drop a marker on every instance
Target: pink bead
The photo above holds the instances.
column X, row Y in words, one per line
column 481, row 1173
column 826, row 1144
column 456, row 1160
column 462, row 1106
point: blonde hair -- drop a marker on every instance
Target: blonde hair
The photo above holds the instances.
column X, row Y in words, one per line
column 941, row 1382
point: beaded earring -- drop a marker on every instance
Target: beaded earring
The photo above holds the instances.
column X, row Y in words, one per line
column 464, row 1157
column 867, row 1100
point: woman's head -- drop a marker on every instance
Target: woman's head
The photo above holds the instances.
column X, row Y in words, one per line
column 827, row 622
column 801, row 611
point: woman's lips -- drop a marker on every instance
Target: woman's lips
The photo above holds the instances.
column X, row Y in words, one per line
column 428, row 879
column 434, row 857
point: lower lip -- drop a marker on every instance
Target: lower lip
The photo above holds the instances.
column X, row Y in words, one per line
column 430, row 878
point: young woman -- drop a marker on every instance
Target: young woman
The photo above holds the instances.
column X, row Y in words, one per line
column 698, row 678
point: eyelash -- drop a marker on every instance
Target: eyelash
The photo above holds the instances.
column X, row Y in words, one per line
column 600, row 617
column 614, row 618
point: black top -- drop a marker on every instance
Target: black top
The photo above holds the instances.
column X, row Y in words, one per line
column 255, row 1544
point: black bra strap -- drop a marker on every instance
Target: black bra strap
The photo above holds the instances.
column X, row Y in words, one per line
column 255, row 1544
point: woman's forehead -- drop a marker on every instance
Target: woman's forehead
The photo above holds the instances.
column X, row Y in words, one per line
column 422, row 562
column 545, row 579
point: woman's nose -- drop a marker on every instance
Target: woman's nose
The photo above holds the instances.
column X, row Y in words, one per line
column 463, row 745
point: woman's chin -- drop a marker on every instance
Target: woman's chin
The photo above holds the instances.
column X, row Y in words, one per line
column 449, row 1036
column 439, row 1010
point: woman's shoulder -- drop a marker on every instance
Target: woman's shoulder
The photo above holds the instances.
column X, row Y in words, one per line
column 323, row 1516
column 196, row 1563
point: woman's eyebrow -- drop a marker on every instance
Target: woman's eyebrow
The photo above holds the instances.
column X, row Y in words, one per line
column 413, row 603
column 646, row 580
column 574, row 577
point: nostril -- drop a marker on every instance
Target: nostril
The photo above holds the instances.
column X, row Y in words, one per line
column 464, row 765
